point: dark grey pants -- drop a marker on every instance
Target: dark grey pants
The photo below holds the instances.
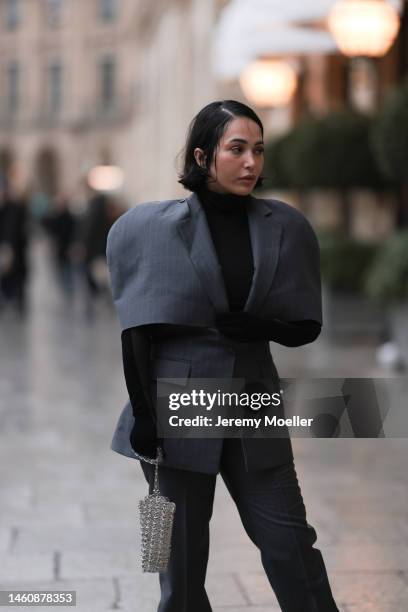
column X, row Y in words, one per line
column 271, row 508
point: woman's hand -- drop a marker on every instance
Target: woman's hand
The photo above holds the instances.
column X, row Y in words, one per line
column 245, row 327
column 241, row 326
column 143, row 437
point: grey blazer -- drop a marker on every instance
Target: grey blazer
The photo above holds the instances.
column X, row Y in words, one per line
column 164, row 269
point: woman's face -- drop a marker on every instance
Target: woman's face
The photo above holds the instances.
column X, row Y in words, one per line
column 238, row 158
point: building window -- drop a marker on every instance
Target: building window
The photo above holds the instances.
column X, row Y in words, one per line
column 108, row 10
column 108, row 82
column 55, row 88
column 54, row 13
column 13, row 87
column 12, row 10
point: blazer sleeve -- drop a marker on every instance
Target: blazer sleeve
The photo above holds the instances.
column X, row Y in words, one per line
column 295, row 293
column 127, row 264
column 136, row 344
column 152, row 281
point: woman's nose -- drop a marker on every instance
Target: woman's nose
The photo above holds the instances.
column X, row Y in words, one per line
column 249, row 161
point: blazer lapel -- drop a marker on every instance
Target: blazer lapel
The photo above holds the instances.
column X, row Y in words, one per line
column 196, row 235
column 265, row 234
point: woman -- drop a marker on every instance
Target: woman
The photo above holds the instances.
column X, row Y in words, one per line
column 201, row 285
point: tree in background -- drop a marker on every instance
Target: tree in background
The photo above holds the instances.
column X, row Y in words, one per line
column 390, row 145
column 332, row 152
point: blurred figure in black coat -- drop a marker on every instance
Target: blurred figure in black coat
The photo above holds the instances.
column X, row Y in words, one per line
column 102, row 212
column 13, row 249
column 61, row 224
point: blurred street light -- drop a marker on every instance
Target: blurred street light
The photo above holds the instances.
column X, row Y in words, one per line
column 363, row 27
column 267, row 83
column 105, row 178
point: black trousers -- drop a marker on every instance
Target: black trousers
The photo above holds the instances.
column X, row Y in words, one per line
column 271, row 508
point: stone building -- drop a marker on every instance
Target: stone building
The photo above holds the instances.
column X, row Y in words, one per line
column 100, row 82
column 174, row 80
column 118, row 81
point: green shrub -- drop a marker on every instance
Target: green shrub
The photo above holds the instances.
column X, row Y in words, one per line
column 388, row 276
column 335, row 152
column 275, row 169
column 345, row 262
column 330, row 152
column 390, row 136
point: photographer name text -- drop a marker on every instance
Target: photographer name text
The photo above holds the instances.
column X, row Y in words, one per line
column 266, row 421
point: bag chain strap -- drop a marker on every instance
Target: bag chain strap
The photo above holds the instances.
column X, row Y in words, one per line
column 155, row 462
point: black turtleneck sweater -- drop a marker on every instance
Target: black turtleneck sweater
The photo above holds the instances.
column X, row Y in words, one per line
column 227, row 220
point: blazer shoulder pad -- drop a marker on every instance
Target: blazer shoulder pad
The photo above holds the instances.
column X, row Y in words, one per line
column 289, row 215
column 138, row 215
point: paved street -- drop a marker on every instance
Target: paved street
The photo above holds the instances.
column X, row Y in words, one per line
column 69, row 504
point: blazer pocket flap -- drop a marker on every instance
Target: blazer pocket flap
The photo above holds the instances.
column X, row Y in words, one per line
column 176, row 372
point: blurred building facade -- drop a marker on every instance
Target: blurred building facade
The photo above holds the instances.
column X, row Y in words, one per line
column 118, row 81
column 175, row 79
column 100, row 82
column 67, row 72
column 329, row 84
column 298, row 33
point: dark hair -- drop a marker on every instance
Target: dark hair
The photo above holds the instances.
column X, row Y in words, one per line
column 205, row 132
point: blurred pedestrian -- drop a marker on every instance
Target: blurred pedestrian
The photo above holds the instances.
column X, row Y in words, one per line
column 61, row 225
column 101, row 213
column 13, row 249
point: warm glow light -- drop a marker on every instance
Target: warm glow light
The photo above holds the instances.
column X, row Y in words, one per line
column 268, row 83
column 105, row 178
column 363, row 27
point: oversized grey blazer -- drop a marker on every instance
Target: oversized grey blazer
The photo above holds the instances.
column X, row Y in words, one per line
column 164, row 269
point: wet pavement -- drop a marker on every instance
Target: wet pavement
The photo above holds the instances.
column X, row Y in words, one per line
column 68, row 504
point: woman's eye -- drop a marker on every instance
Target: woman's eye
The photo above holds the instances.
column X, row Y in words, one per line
column 239, row 150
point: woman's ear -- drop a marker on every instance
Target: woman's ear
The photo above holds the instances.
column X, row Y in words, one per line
column 199, row 157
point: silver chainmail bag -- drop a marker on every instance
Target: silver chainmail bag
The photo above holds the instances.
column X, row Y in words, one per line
column 156, row 523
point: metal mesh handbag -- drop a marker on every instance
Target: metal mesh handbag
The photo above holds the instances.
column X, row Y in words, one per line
column 156, row 523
